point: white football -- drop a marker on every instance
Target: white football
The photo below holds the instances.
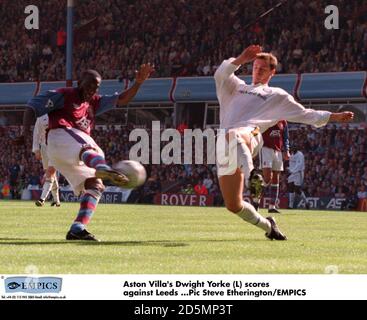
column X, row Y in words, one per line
column 134, row 171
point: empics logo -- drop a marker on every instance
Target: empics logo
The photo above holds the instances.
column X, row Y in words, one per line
column 33, row 285
column 13, row 285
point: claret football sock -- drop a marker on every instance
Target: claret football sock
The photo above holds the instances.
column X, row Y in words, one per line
column 88, row 204
column 94, row 160
column 274, row 192
column 77, row 227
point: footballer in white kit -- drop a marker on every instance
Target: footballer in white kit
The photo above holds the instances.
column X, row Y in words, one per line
column 246, row 110
column 295, row 179
column 296, row 168
column 39, row 148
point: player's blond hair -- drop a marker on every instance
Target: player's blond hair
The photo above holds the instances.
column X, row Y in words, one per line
column 269, row 58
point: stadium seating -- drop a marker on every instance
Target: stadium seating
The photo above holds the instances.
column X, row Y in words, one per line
column 115, row 37
column 338, row 149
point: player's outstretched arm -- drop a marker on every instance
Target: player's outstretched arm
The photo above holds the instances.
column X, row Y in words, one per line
column 345, row 116
column 141, row 75
column 247, row 55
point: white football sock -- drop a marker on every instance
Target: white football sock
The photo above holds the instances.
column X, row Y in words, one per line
column 46, row 189
column 55, row 191
column 249, row 214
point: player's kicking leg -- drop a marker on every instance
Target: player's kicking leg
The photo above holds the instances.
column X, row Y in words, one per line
column 94, row 188
column 232, row 191
column 96, row 160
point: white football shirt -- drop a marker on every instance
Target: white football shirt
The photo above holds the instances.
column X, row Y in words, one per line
column 243, row 105
column 39, row 132
column 296, row 162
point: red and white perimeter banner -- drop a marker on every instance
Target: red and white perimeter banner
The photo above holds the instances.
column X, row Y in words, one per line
column 180, row 199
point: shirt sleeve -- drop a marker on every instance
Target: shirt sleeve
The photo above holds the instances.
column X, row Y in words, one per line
column 46, row 102
column 293, row 111
column 225, row 79
column 36, row 136
column 107, row 103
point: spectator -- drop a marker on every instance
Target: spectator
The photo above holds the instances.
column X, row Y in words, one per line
column 208, row 182
column 351, row 200
column 3, row 120
column 61, row 40
column 5, row 189
column 331, row 170
column 188, row 189
column 362, row 192
column 200, row 189
column 14, row 172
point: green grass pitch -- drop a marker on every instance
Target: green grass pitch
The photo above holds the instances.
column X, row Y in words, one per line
column 142, row 239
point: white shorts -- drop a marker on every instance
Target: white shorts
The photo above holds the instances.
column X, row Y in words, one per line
column 44, row 156
column 63, row 146
column 236, row 154
column 296, row 178
column 270, row 158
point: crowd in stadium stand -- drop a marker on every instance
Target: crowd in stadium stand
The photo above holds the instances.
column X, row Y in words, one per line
column 335, row 161
column 336, row 165
column 182, row 38
column 187, row 38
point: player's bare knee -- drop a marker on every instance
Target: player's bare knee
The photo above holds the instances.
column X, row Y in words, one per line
column 94, row 184
column 51, row 171
column 234, row 207
column 267, row 181
column 267, row 175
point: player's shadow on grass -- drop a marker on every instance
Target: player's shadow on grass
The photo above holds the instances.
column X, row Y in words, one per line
column 13, row 239
column 157, row 243
column 161, row 243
